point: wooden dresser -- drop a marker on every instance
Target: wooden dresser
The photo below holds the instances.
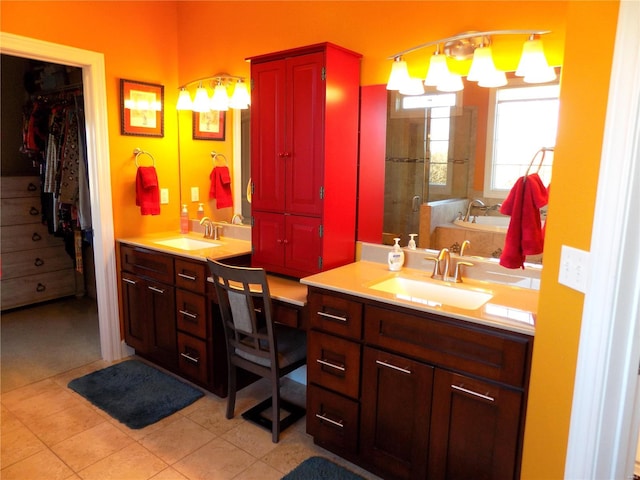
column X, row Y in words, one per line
column 35, row 266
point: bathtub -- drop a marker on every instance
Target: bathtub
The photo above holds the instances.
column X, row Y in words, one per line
column 495, row 223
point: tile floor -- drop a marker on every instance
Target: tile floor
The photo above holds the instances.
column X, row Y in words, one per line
column 48, row 432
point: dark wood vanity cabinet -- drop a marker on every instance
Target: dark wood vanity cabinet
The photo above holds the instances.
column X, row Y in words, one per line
column 436, row 397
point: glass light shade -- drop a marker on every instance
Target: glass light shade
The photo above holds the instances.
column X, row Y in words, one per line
column 451, row 83
column 413, row 87
column 184, row 100
column 201, row 102
column 240, row 99
column 497, row 78
column 220, row 99
column 482, row 64
column 533, row 64
column 438, row 70
column 399, row 75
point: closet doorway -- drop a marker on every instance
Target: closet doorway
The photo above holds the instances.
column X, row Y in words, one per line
column 95, row 105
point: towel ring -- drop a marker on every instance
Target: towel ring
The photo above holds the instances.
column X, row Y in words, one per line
column 543, row 150
column 137, row 152
column 214, row 157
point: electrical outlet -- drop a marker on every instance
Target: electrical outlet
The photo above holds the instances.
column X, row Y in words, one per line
column 164, row 196
column 574, row 268
column 195, row 194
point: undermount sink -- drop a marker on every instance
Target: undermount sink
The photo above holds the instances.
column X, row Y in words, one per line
column 432, row 294
column 185, row 243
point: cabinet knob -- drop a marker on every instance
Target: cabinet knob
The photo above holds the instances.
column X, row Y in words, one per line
column 38, row 262
column 31, row 187
column 34, row 211
column 40, row 288
column 284, row 154
column 36, row 237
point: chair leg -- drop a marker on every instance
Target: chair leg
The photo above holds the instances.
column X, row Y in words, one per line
column 275, row 409
column 231, row 394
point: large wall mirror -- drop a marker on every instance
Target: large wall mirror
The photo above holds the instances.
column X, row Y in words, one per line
column 436, row 152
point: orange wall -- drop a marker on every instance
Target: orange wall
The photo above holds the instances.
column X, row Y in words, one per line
column 139, row 42
column 204, row 38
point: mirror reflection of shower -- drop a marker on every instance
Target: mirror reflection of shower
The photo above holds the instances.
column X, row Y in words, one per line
column 430, row 141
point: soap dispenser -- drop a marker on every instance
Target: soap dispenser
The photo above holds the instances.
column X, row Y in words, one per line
column 412, row 241
column 184, row 219
column 395, row 258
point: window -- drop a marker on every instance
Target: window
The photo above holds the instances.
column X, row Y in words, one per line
column 522, row 119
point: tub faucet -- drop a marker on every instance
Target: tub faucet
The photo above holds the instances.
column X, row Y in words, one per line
column 473, row 203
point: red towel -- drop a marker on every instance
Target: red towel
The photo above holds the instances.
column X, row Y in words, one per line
column 524, row 235
column 221, row 187
column 147, row 191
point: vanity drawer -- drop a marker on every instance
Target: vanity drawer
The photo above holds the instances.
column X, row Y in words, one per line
column 31, row 236
column 494, row 355
column 334, row 363
column 335, row 314
column 191, row 275
column 332, row 420
column 192, row 357
column 191, row 313
column 147, row 263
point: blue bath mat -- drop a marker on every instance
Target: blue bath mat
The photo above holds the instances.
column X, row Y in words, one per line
column 319, row 468
column 135, row 393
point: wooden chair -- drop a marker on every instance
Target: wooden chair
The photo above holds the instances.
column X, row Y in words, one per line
column 255, row 343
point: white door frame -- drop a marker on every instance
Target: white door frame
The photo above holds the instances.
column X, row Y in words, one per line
column 604, row 417
column 95, row 100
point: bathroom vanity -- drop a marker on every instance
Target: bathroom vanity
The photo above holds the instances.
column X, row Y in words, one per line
column 169, row 307
column 415, row 389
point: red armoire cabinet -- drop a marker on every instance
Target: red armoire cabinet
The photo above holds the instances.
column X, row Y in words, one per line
column 304, row 149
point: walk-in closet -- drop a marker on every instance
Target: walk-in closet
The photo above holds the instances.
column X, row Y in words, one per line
column 48, row 294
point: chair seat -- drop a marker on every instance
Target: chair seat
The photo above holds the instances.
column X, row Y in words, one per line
column 292, row 347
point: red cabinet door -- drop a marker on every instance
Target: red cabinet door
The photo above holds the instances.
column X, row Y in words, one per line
column 267, row 240
column 303, row 248
column 267, row 135
column 304, row 132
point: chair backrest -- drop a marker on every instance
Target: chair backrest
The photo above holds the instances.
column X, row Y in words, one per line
column 245, row 306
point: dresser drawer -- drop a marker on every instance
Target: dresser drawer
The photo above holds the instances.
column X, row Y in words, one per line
column 20, row 211
column 334, row 363
column 147, row 263
column 192, row 358
column 332, row 420
column 499, row 356
column 12, row 187
column 20, row 291
column 191, row 313
column 27, row 237
column 33, row 262
column 191, row 275
column 335, row 314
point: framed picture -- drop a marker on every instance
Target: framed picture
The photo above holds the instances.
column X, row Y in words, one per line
column 209, row 125
column 141, row 109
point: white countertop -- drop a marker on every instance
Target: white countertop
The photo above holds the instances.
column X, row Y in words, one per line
column 283, row 289
column 510, row 308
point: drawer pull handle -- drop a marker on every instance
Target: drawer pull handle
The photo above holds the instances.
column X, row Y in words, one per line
column 39, row 262
column 36, row 237
column 333, row 317
column 34, row 211
column 187, row 277
column 128, row 280
column 40, row 288
column 471, row 392
column 324, row 418
column 195, row 360
column 331, row 365
column 388, row 365
column 31, row 187
column 188, row 314
column 155, row 289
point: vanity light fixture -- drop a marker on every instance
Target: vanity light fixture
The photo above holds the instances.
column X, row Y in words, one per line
column 533, row 65
column 220, row 101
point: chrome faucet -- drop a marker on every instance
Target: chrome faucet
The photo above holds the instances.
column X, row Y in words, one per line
column 208, row 227
column 442, row 266
column 473, row 203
